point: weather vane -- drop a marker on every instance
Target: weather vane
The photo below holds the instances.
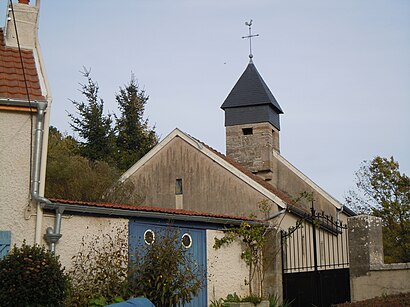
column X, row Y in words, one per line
column 249, row 24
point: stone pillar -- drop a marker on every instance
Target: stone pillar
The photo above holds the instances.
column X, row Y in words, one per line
column 365, row 243
column 273, row 266
column 365, row 250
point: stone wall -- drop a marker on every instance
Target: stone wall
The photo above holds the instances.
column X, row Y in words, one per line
column 253, row 149
column 369, row 275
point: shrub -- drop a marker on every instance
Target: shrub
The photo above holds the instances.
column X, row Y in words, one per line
column 32, row 276
column 164, row 273
column 100, row 269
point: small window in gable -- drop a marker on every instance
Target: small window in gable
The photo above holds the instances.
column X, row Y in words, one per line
column 247, row 131
column 178, row 186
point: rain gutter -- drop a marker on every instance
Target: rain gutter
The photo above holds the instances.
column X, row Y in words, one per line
column 148, row 214
column 16, row 102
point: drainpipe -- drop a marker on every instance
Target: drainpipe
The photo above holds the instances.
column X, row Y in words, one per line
column 338, row 211
column 276, row 214
column 52, row 235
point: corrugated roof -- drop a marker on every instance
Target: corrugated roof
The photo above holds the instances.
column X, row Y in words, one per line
column 12, row 85
column 251, row 90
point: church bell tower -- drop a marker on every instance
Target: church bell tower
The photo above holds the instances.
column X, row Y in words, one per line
column 252, row 123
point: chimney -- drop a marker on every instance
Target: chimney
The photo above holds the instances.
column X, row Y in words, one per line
column 26, row 16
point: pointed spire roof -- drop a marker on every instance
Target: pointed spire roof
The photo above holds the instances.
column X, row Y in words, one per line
column 251, row 90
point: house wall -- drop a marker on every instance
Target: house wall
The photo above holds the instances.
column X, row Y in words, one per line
column 76, row 227
column 207, row 186
column 289, row 182
column 226, row 270
column 15, row 177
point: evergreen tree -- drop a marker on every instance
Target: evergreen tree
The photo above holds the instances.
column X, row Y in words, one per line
column 135, row 138
column 385, row 192
column 92, row 125
column 71, row 176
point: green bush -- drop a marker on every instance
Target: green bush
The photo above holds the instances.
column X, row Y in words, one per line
column 32, row 276
column 100, row 269
column 164, row 272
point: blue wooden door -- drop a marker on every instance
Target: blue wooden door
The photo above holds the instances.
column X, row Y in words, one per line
column 194, row 240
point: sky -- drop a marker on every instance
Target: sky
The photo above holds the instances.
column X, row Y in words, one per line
column 340, row 70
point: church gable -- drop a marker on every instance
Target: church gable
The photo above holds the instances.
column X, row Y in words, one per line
column 184, row 173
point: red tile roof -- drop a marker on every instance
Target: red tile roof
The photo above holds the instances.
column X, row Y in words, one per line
column 151, row 209
column 285, row 197
column 12, row 85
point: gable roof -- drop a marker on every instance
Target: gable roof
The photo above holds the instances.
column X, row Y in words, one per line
column 282, row 199
column 251, row 90
column 270, row 192
column 12, row 82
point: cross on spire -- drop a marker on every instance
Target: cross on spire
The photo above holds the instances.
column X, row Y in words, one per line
column 249, row 24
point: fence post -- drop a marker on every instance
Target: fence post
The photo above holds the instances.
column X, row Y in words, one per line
column 365, row 246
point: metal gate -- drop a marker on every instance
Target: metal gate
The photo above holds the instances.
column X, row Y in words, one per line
column 315, row 261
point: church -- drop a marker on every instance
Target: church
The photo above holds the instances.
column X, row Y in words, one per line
column 182, row 172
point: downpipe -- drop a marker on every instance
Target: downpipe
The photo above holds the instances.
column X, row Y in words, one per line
column 338, row 221
column 52, row 235
column 276, row 214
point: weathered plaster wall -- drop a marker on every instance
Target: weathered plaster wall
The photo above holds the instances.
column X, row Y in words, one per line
column 273, row 265
column 289, row 182
column 26, row 16
column 226, row 270
column 369, row 275
column 15, row 177
column 75, row 227
column 381, row 282
column 207, row 186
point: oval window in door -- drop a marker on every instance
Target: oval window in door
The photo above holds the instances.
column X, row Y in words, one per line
column 186, row 240
column 149, row 236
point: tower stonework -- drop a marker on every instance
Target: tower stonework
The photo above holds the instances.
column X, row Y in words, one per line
column 251, row 145
column 252, row 124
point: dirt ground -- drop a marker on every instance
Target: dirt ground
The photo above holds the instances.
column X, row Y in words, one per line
column 390, row 301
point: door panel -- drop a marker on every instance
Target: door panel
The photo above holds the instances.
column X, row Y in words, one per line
column 194, row 240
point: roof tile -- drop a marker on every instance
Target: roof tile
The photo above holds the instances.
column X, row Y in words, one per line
column 251, row 90
column 151, row 209
column 12, row 81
